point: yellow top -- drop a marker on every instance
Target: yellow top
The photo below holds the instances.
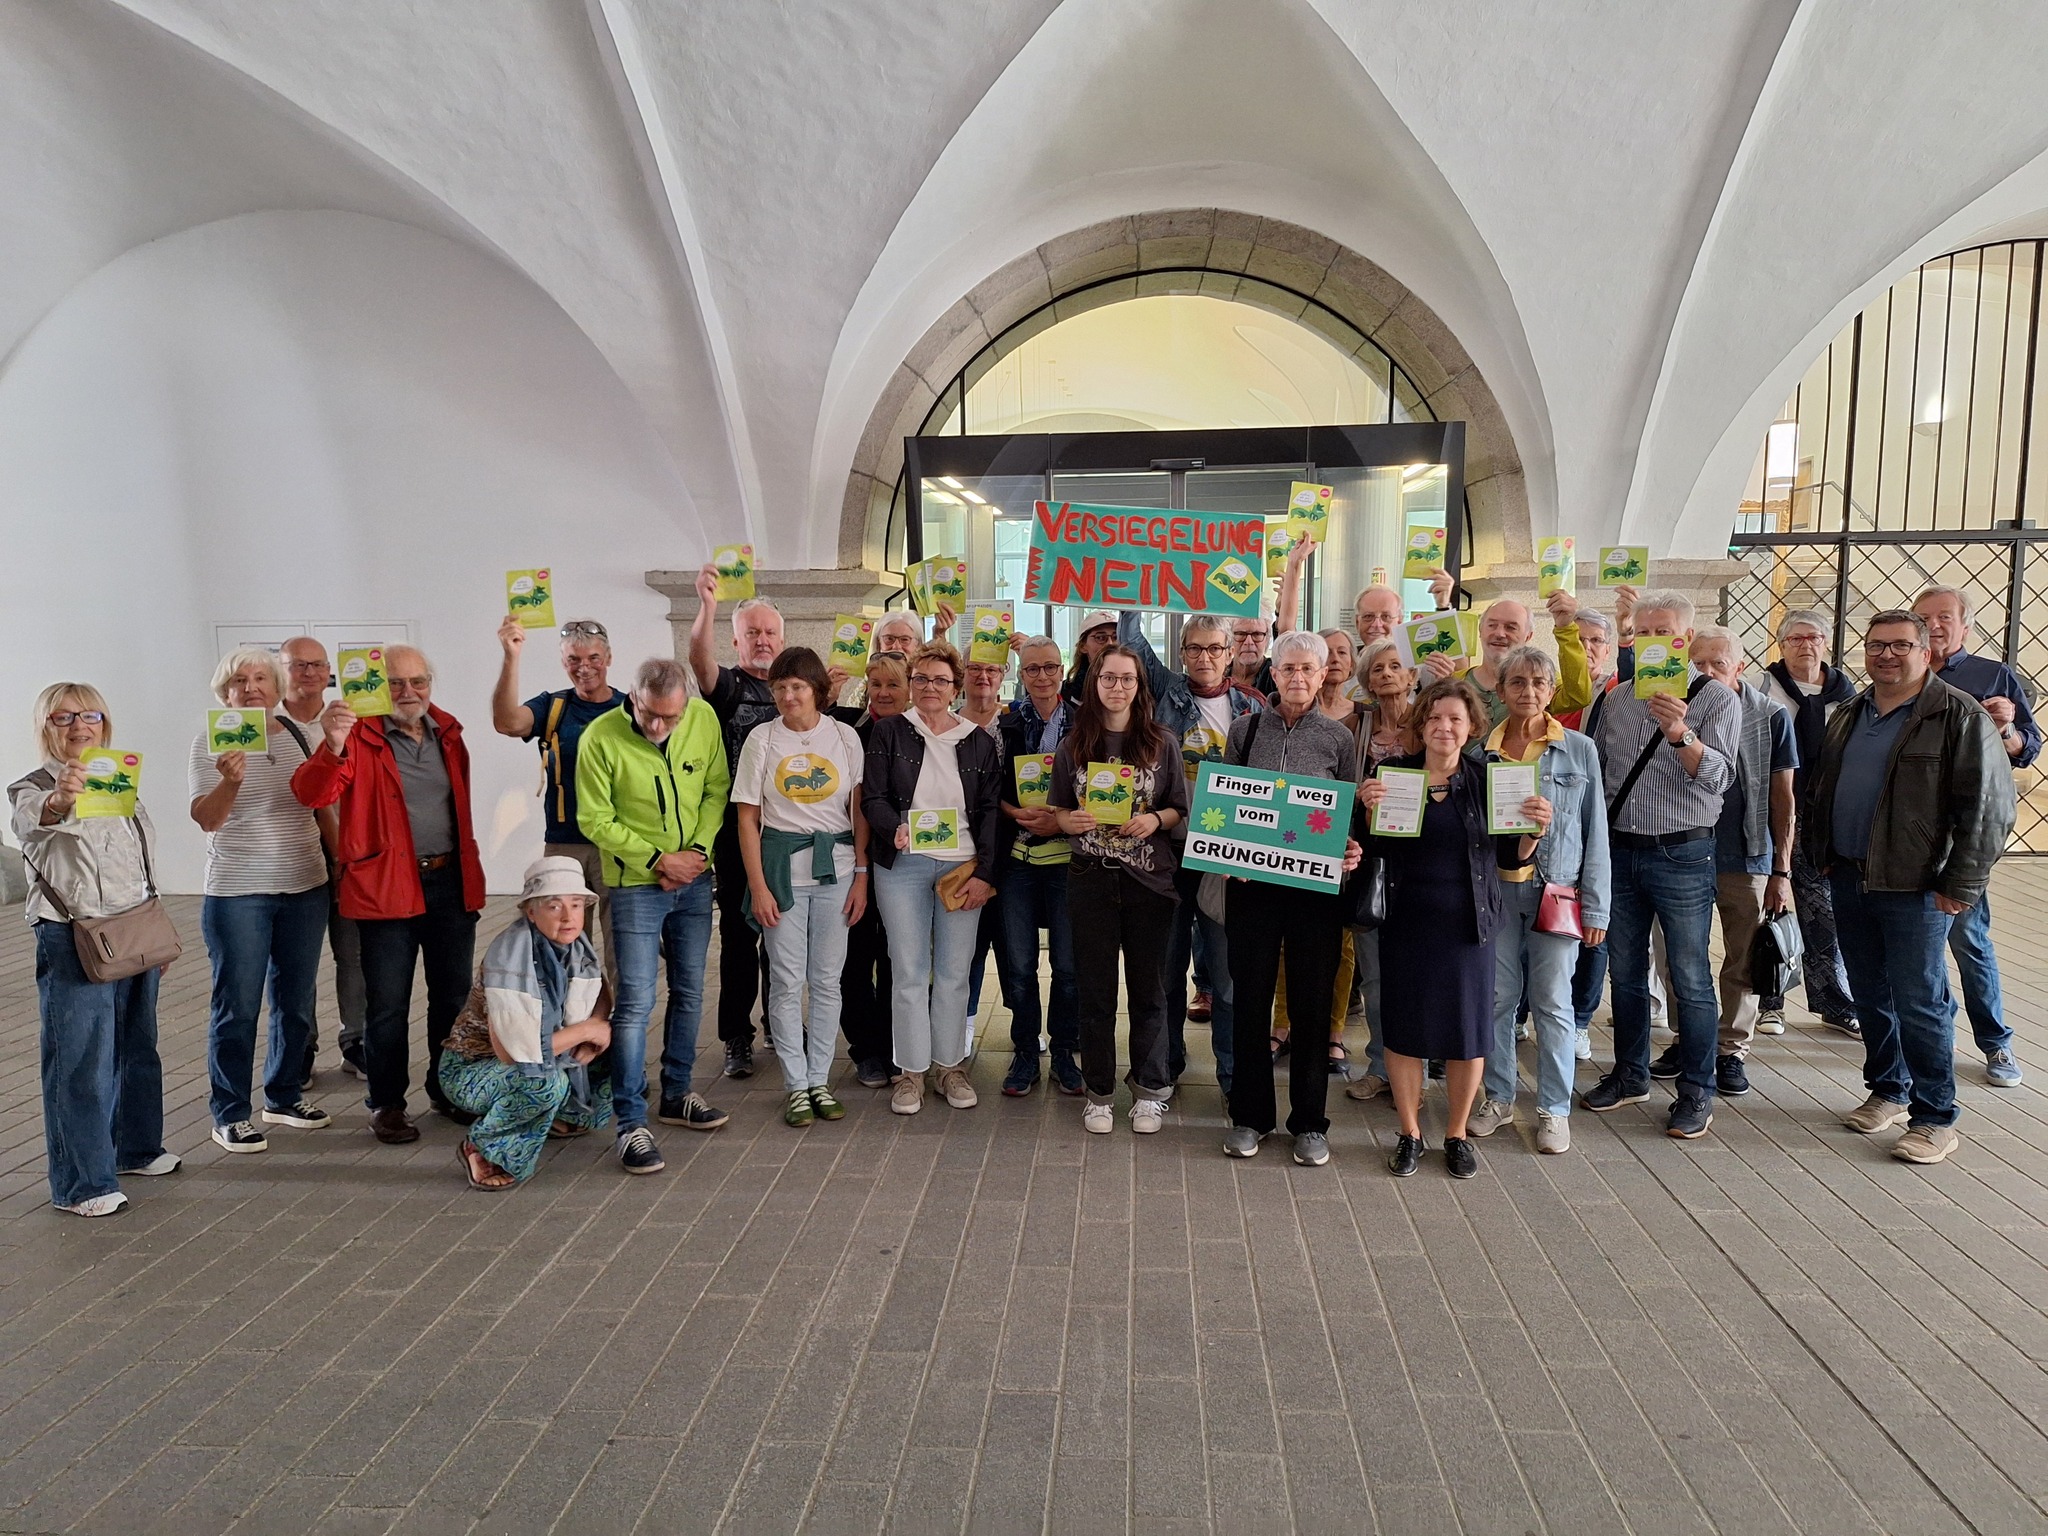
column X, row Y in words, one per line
column 1553, row 730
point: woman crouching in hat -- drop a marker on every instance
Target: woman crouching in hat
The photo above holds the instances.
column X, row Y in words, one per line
column 518, row 1057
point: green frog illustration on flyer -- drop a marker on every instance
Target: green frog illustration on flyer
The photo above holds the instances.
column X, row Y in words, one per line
column 935, row 831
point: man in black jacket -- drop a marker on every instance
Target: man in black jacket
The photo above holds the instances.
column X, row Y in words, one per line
column 1911, row 806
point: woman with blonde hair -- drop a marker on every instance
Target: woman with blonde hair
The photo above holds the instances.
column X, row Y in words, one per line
column 103, row 1084
column 265, row 910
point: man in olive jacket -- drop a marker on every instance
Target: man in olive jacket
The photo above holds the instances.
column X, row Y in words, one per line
column 1911, row 804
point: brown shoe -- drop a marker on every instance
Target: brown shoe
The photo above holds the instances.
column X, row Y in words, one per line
column 392, row 1127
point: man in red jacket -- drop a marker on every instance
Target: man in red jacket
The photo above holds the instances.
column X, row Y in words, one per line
column 410, row 874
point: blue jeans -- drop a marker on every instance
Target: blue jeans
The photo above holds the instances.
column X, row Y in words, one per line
column 1894, row 944
column 929, row 949
column 103, row 1084
column 1969, row 940
column 254, row 939
column 1550, row 958
column 1035, row 897
column 1676, row 886
column 806, row 949
column 1589, row 980
column 646, row 923
column 1188, row 922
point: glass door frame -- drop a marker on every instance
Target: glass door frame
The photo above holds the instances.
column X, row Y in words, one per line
column 1042, row 455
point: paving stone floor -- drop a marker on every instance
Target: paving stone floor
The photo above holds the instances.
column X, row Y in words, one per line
column 989, row 1321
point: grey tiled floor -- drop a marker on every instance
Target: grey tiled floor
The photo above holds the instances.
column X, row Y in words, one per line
column 986, row 1320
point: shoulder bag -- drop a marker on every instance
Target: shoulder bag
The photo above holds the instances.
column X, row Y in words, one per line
column 126, row 944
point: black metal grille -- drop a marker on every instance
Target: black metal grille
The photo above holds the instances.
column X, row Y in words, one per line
column 1791, row 572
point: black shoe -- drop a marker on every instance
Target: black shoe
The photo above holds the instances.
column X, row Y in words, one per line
column 692, row 1113
column 352, row 1063
column 1613, row 1091
column 1848, row 1024
column 1665, row 1065
column 1460, row 1161
column 1407, row 1156
column 1731, row 1080
column 874, row 1074
column 1022, row 1076
column 1691, row 1114
column 448, row 1111
column 739, row 1058
column 1066, row 1076
column 638, row 1153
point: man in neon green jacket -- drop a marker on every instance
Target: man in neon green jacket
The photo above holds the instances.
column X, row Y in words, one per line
column 651, row 785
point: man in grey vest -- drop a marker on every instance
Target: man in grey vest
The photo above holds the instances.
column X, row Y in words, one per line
column 1752, row 852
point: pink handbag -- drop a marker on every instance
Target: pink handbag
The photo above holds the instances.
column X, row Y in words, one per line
column 1558, row 912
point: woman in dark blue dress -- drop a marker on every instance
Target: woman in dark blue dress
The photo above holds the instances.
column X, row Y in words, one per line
column 1443, row 910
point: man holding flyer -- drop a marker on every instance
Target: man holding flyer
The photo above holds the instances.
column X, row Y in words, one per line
column 1667, row 754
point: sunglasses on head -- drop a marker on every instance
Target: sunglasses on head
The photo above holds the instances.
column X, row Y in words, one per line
column 584, row 629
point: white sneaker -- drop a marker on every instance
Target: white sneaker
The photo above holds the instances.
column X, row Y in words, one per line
column 156, row 1167
column 1771, row 1022
column 1490, row 1117
column 98, row 1205
column 242, row 1136
column 1553, row 1133
column 1146, row 1116
column 1099, row 1118
column 1583, row 1049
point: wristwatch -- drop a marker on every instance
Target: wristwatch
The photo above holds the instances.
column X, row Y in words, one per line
column 1781, row 874
column 1690, row 739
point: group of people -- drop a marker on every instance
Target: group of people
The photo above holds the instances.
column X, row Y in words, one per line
column 862, row 860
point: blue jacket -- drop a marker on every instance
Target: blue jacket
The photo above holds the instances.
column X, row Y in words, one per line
column 1982, row 678
column 1574, row 851
column 1173, row 701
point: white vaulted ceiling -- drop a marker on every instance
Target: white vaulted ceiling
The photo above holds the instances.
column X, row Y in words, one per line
column 1642, row 221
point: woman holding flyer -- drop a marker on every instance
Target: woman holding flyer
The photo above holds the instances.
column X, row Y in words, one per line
column 805, row 845
column 1430, row 819
column 932, row 791
column 1118, row 791
column 103, row 1083
column 265, row 912
column 1567, row 885
column 866, row 984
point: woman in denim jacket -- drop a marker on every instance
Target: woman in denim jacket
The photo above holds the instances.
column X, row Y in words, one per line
column 1573, row 853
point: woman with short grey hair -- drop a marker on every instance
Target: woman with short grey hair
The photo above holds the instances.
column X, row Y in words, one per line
column 265, row 910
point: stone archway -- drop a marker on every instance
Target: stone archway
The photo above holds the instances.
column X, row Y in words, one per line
column 1225, row 246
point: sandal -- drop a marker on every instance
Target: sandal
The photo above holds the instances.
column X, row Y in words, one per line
column 1278, row 1044
column 565, row 1130
column 470, row 1158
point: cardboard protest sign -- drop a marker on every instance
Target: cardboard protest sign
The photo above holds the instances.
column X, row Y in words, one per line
column 1284, row 829
column 1141, row 557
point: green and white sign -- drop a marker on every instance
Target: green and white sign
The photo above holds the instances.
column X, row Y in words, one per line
column 1284, row 829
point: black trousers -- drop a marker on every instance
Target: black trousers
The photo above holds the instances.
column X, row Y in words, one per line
column 1116, row 916
column 742, row 957
column 1259, row 917
column 866, row 1014
column 444, row 938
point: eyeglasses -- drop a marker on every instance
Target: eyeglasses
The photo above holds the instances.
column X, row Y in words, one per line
column 927, row 680
column 307, row 666
column 1116, row 680
column 584, row 629
column 1299, row 669
column 64, row 717
column 1870, row 647
column 1043, row 668
column 1209, row 651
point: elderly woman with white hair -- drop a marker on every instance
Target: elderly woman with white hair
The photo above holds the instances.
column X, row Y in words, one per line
column 1293, row 737
column 265, row 910
column 103, row 1082
column 518, row 1057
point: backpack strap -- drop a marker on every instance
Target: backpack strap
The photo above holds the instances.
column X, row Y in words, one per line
column 551, row 754
column 1657, row 739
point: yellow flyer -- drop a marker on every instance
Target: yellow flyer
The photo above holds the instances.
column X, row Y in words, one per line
column 991, row 643
column 111, row 780
column 1111, row 789
column 1034, row 779
column 365, row 680
column 530, row 598
column 1662, row 664
column 1557, row 567
column 850, row 635
column 1308, row 511
column 1424, row 556
column 1468, row 639
column 1276, row 555
column 937, row 581
column 1624, row 565
column 1434, row 634
column 735, row 566
column 935, row 831
column 237, row 730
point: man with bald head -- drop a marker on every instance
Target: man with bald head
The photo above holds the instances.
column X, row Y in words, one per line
column 411, row 878
column 1507, row 623
column 1376, row 614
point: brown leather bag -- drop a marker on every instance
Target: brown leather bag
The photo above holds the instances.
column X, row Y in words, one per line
column 126, row 944
column 952, row 885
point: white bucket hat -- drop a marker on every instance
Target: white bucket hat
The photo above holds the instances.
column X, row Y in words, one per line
column 555, row 876
column 1095, row 618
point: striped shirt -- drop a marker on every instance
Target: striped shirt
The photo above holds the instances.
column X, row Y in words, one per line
column 1667, row 798
column 270, row 844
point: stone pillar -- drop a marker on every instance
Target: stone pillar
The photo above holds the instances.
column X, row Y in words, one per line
column 809, row 601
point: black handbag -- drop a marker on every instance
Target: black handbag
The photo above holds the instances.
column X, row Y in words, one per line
column 1777, row 955
column 1365, row 894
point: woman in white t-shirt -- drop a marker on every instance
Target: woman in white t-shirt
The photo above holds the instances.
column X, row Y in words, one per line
column 805, row 843
column 265, row 912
